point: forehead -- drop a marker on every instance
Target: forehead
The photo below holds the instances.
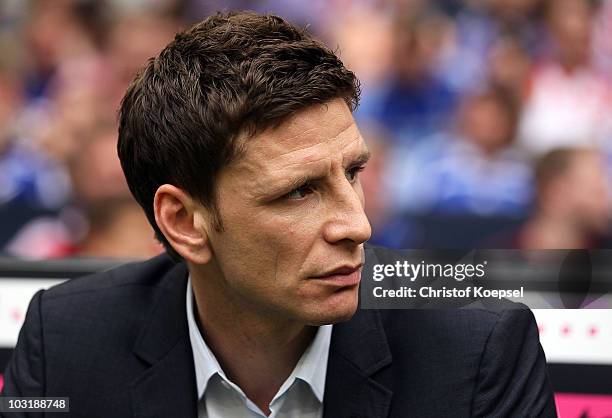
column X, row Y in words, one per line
column 323, row 131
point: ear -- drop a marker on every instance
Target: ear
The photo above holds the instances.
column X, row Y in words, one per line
column 179, row 217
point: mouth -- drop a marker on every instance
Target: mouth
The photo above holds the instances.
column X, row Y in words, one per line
column 342, row 276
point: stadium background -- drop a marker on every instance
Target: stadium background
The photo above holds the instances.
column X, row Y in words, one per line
column 490, row 122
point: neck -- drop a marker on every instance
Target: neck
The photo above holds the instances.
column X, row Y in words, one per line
column 257, row 350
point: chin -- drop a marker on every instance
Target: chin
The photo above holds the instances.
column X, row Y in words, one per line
column 333, row 311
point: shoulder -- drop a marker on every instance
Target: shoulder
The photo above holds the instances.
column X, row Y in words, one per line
column 83, row 333
column 470, row 327
column 114, row 301
column 149, row 273
column 489, row 363
column 468, row 331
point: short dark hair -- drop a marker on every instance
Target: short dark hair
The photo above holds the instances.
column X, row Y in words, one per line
column 230, row 76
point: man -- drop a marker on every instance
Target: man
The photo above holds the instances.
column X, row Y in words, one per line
column 572, row 208
column 239, row 143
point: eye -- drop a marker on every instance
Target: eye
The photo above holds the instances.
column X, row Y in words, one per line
column 299, row 192
column 351, row 174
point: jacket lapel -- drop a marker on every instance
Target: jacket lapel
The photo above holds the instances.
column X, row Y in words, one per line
column 358, row 350
column 168, row 387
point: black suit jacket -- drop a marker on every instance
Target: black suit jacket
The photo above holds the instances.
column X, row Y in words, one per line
column 117, row 344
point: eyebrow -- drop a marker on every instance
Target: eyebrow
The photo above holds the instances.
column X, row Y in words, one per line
column 361, row 159
column 299, row 180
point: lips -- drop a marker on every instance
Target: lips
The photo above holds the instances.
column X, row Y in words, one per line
column 340, row 271
column 344, row 275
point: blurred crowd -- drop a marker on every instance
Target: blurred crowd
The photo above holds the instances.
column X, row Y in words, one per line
column 490, row 121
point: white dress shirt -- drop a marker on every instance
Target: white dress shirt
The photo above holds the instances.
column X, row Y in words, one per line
column 301, row 395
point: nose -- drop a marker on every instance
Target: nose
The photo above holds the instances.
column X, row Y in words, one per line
column 346, row 219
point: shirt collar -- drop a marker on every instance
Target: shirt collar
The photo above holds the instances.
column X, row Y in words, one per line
column 311, row 368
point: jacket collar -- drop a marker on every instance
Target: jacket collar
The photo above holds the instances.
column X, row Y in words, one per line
column 358, row 350
column 167, row 388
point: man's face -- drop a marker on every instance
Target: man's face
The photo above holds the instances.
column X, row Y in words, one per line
column 292, row 211
column 587, row 191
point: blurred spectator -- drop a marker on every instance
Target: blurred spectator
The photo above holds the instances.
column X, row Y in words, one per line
column 479, row 27
column 473, row 169
column 364, row 36
column 61, row 181
column 602, row 39
column 11, row 99
column 30, row 182
column 417, row 102
column 153, row 7
column 104, row 221
column 117, row 228
column 573, row 202
column 569, row 103
column 442, row 81
column 58, row 31
column 133, row 40
column 114, row 224
column 509, row 66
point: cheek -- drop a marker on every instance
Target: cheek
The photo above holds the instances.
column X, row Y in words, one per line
column 292, row 241
column 268, row 245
